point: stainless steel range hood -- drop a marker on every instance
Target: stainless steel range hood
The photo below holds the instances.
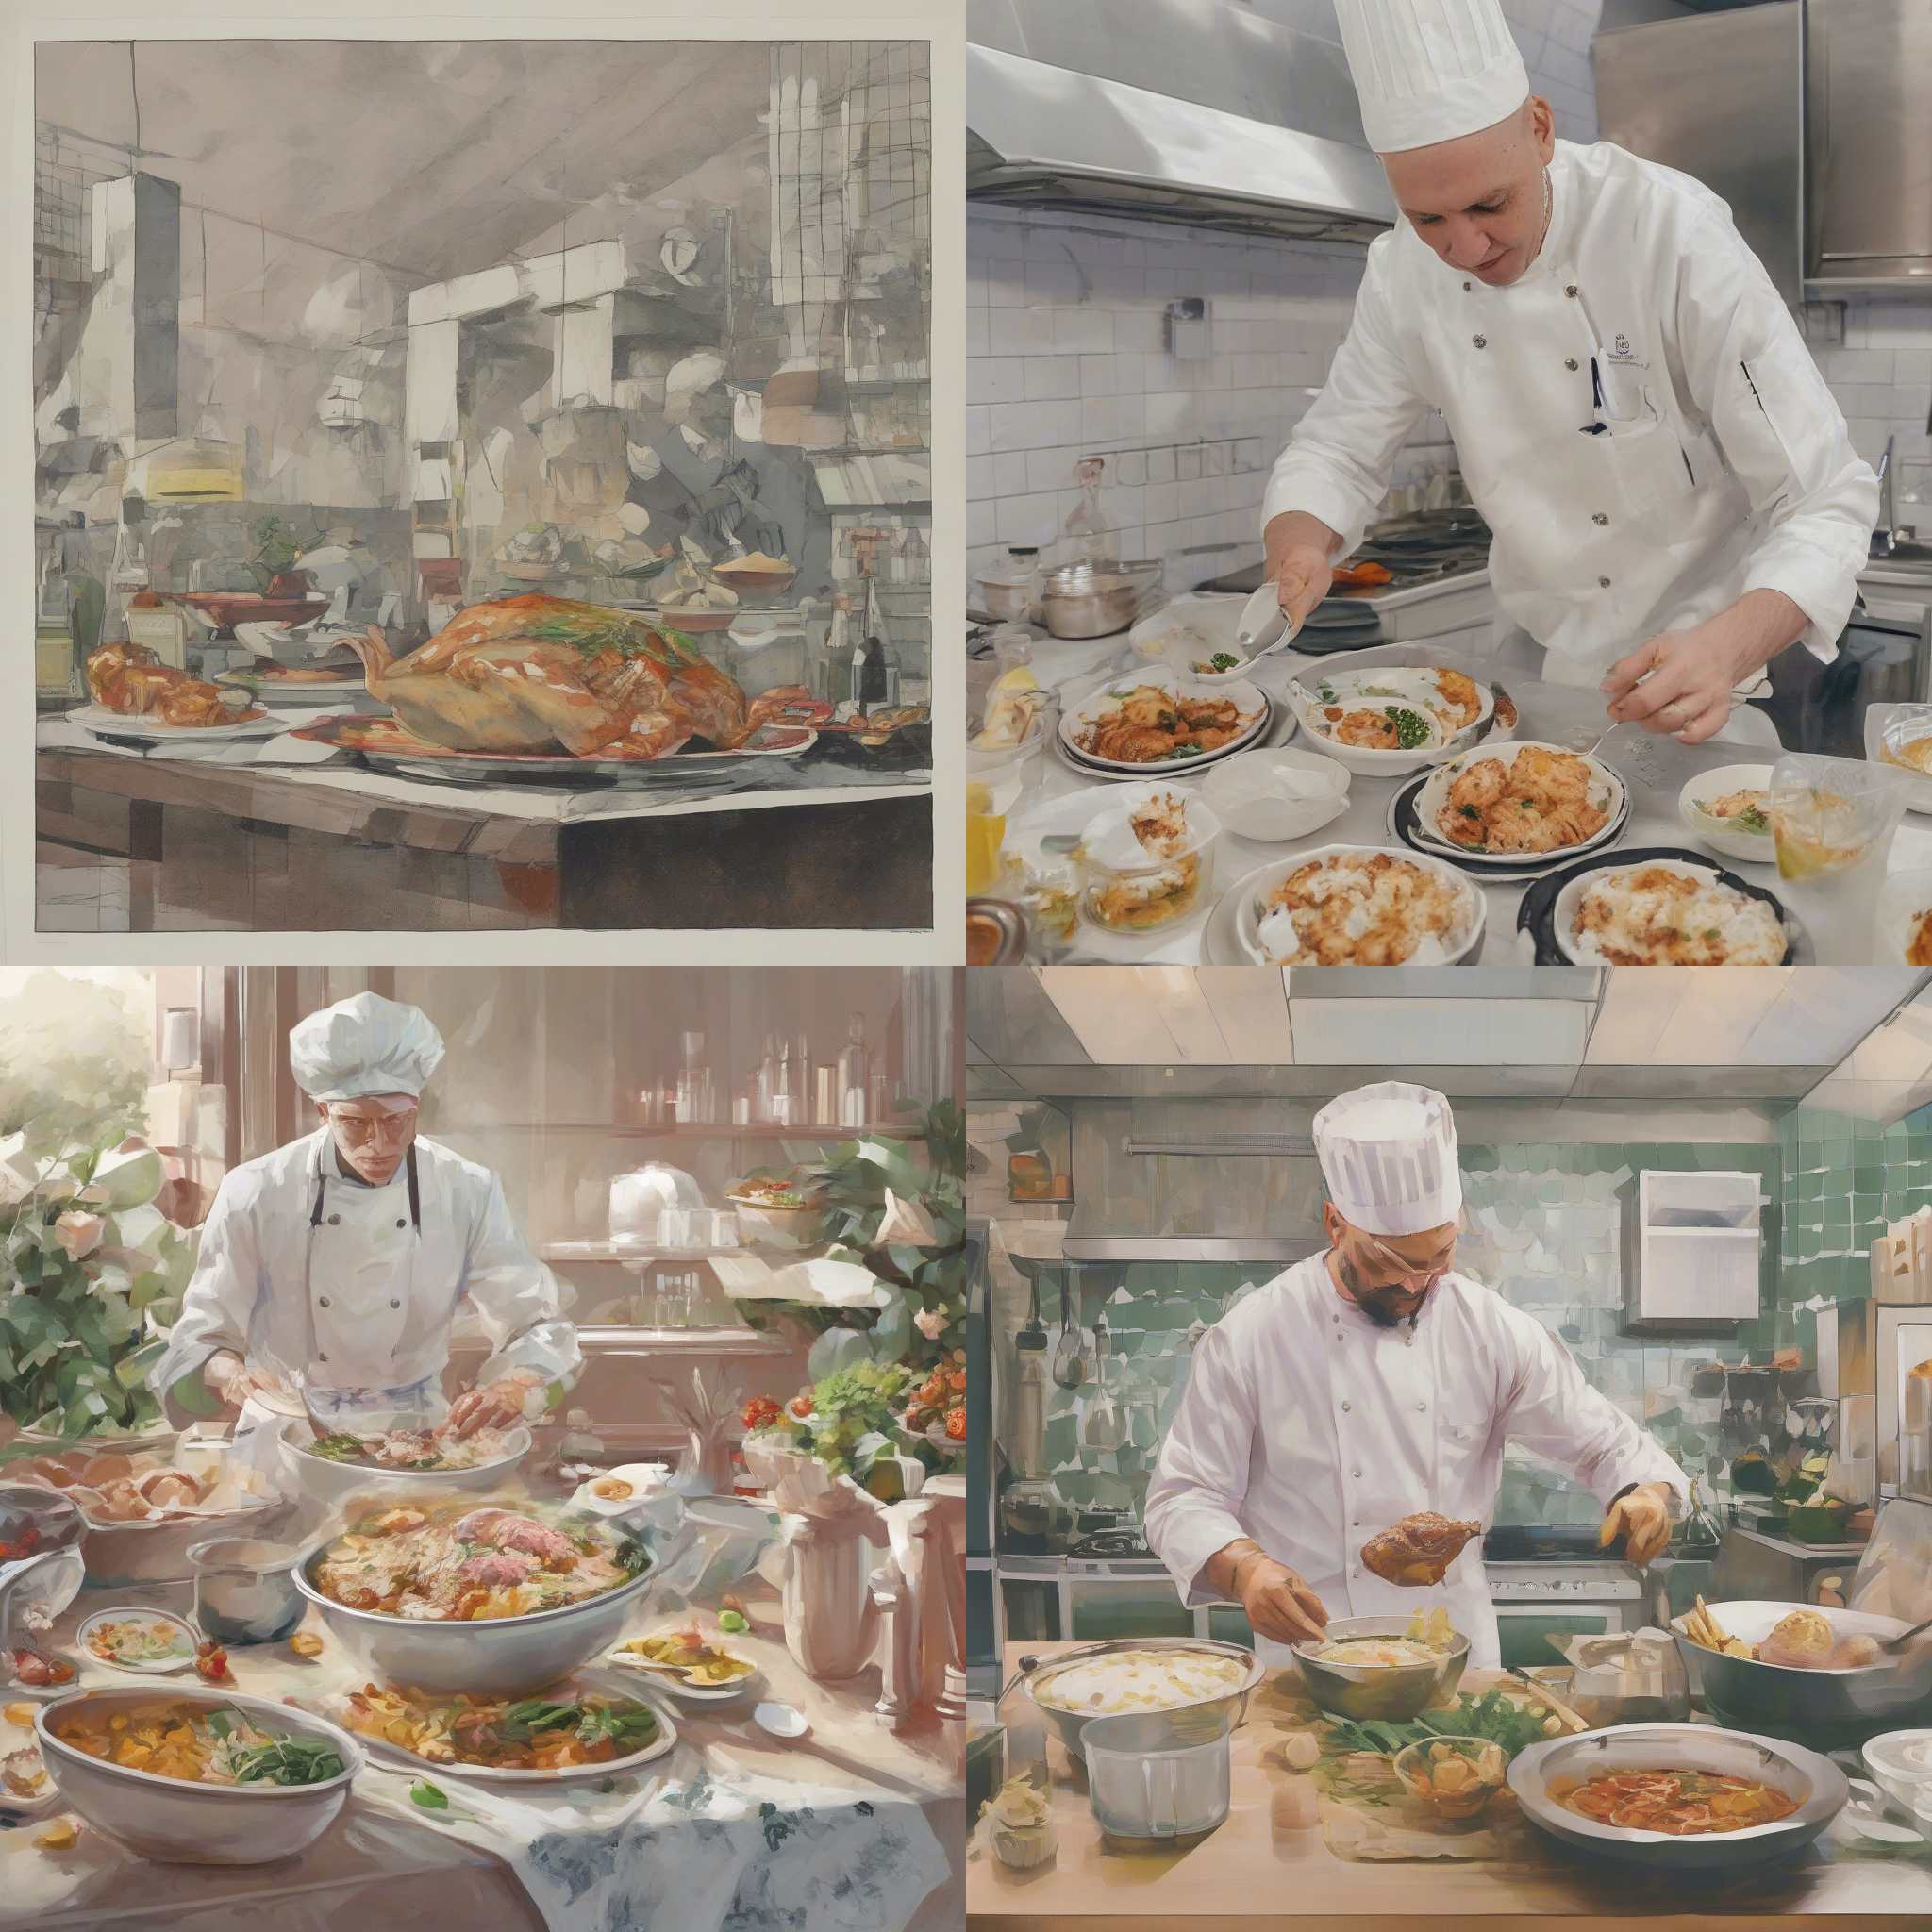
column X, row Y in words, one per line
column 1193, row 111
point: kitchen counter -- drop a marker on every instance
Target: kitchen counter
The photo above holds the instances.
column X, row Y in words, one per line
column 702, row 1838
column 1653, row 768
column 265, row 835
column 1251, row 1873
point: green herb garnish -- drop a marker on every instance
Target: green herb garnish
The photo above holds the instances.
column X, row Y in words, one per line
column 425, row 1794
column 1222, row 661
column 337, row 1448
column 1411, row 727
column 286, row 1761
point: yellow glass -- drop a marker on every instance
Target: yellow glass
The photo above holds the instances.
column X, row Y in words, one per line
column 986, row 831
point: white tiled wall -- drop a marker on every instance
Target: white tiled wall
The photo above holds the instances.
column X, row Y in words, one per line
column 1882, row 379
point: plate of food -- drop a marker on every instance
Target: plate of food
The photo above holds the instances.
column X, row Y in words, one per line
column 1357, row 905
column 571, row 1733
column 336, row 1465
column 1657, row 907
column 302, row 687
column 1520, row 802
column 1146, row 861
column 1388, row 720
column 786, row 1209
column 688, row 1667
column 1900, row 736
column 1905, row 917
column 1162, row 721
column 1729, row 809
column 133, row 1637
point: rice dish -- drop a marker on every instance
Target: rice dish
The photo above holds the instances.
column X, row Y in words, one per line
column 1135, row 1680
column 1363, row 909
column 1658, row 915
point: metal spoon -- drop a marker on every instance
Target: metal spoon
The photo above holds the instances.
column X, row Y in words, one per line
column 1892, row 1645
column 1069, row 1369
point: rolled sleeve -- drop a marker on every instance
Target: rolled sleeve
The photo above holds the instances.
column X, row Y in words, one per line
column 1338, row 461
column 218, row 1304
column 1780, row 429
column 1202, row 1475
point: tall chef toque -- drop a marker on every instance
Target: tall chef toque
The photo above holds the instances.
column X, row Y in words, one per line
column 1430, row 70
column 1388, row 1154
column 363, row 1045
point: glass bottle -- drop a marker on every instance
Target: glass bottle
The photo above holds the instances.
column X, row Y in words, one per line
column 855, row 1068
column 1088, row 536
column 693, row 1084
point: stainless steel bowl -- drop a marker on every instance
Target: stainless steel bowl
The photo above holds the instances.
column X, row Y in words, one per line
column 1395, row 1692
column 336, row 1482
column 1777, row 1695
column 1081, row 601
column 1817, row 1785
column 1069, row 1725
column 494, row 1656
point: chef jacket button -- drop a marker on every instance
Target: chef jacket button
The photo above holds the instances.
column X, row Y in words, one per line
column 321, row 1356
column 1570, row 290
column 1354, row 1522
column 1356, row 1473
column 1344, row 1408
column 1465, row 285
column 1603, row 583
column 322, row 1301
column 1481, row 341
column 1597, row 517
column 1569, row 361
column 335, row 1221
column 1422, row 1408
column 401, row 1221
column 395, row 1304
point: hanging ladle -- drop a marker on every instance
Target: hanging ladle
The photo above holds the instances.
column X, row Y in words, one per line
column 1069, row 1357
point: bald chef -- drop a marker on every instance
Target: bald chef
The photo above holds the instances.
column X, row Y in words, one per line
column 330, row 1271
column 1673, row 493
column 1372, row 1383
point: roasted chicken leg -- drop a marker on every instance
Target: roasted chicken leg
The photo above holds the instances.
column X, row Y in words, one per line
column 1419, row 1550
column 132, row 680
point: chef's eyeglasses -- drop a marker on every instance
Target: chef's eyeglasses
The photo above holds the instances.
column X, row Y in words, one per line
column 1409, row 1277
column 360, row 1129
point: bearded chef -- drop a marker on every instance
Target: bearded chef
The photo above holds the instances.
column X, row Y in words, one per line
column 330, row 1271
column 1673, row 492
column 1373, row 1383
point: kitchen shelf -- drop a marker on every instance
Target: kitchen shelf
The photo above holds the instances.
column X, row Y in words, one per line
column 761, row 1130
column 641, row 1252
column 620, row 1339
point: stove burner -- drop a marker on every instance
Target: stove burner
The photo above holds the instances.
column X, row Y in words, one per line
column 1522, row 1542
column 1111, row 1542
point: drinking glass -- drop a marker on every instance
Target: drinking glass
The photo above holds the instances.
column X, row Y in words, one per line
column 1833, row 822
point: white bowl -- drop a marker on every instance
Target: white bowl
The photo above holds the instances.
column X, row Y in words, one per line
column 1248, row 893
column 1568, row 899
column 182, row 1823
column 1249, row 699
column 1607, row 790
column 1365, row 687
column 1885, row 1759
column 335, row 1482
column 1903, row 899
column 1755, row 847
column 1278, row 794
column 1891, row 726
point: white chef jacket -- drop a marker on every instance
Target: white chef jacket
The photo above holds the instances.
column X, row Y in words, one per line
column 1309, row 1428
column 360, row 1299
column 1723, row 465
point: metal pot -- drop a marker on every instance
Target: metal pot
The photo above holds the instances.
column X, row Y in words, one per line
column 244, row 1589
column 1071, row 1725
column 1160, row 1775
column 1776, row 1695
column 1081, row 601
column 1392, row 1691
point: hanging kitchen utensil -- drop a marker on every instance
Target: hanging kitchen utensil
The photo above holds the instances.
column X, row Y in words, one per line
column 1102, row 1426
column 1069, row 1366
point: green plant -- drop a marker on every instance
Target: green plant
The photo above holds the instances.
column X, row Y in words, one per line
column 275, row 546
column 849, row 1420
column 90, row 1270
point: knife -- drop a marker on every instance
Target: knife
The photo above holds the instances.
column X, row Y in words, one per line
column 1264, row 624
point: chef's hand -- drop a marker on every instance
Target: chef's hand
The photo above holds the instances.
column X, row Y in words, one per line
column 1298, row 548
column 498, row 1404
column 1687, row 676
column 1279, row 1604
column 1643, row 1519
column 225, row 1377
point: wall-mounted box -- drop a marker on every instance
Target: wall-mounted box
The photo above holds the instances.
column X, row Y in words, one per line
column 1695, row 1253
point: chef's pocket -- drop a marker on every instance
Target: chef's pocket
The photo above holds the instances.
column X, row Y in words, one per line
column 1645, row 464
column 1463, row 1439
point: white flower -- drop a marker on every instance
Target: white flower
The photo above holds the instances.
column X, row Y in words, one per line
column 931, row 1322
column 79, row 1234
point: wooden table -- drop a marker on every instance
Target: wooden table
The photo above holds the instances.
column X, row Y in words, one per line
column 1251, row 1873
column 210, row 844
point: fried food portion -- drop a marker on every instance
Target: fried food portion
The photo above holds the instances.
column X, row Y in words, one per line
column 1419, row 1550
column 1537, row 802
column 1372, row 730
column 1461, row 700
column 1654, row 915
column 1918, row 953
column 132, row 680
column 1150, row 723
column 1351, row 909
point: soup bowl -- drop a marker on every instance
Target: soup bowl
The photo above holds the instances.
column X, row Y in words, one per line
column 1395, row 1692
column 1541, row 1774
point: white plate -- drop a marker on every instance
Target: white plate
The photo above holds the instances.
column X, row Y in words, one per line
column 1756, row 848
column 127, row 1613
column 1284, row 793
column 681, row 1689
column 348, row 696
column 395, row 1754
column 1364, row 687
column 1607, row 791
column 1896, row 725
column 1903, row 899
column 1564, row 912
column 105, row 723
column 1501, row 872
column 1249, row 700
column 1247, row 891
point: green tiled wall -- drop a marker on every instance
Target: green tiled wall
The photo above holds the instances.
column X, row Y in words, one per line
column 1843, row 1180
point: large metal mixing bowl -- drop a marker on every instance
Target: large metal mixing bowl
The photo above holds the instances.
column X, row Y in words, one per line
column 1815, row 1782
column 1070, row 1725
column 1782, row 1698
column 1393, row 1692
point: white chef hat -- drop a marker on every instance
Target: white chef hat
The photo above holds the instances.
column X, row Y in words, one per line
column 1430, row 70
column 1388, row 1154
column 363, row 1045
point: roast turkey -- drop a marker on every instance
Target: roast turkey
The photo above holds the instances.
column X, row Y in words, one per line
column 1418, row 1550
column 548, row 675
column 130, row 679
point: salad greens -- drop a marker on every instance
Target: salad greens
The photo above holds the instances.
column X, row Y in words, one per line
column 425, row 1794
column 280, row 1761
column 337, row 1448
column 626, row 1725
column 1495, row 1716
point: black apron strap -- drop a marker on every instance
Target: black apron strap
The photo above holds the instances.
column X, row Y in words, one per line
column 320, row 1183
column 415, row 1193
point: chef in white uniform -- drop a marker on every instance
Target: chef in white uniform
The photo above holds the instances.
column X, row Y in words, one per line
column 1372, row 1383
column 1673, row 493
column 330, row 1271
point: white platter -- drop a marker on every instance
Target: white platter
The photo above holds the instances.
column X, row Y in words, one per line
column 1249, row 699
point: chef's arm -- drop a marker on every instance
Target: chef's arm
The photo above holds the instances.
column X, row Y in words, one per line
column 534, row 1354
column 1334, row 470
column 1785, row 438
column 209, row 1337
